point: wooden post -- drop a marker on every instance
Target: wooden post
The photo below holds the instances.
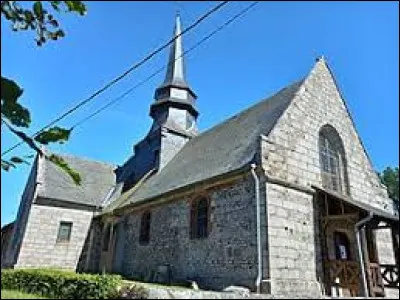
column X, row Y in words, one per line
column 366, row 258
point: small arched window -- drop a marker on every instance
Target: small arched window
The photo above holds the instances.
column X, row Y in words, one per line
column 144, row 237
column 199, row 218
column 332, row 160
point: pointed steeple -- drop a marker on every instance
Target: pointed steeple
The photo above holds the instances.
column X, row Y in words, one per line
column 175, row 70
column 174, row 91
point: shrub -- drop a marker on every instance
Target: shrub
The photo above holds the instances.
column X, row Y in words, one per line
column 130, row 292
column 60, row 284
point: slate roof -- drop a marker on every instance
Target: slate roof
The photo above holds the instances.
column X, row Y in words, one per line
column 97, row 180
column 226, row 147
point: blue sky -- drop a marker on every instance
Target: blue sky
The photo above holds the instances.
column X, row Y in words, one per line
column 274, row 44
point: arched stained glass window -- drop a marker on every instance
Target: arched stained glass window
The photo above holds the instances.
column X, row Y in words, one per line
column 332, row 160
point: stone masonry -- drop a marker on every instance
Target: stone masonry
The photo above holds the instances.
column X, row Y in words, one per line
column 227, row 255
column 293, row 241
column 40, row 247
column 28, row 196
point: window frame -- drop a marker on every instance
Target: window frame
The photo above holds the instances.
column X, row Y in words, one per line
column 145, row 228
column 195, row 232
column 60, row 238
column 332, row 159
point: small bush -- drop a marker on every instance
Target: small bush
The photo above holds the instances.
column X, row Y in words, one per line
column 131, row 292
column 60, row 284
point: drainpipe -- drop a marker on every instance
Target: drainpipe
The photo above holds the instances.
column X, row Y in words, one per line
column 259, row 258
column 357, row 229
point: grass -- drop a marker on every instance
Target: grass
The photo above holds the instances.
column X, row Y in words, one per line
column 154, row 285
column 12, row 294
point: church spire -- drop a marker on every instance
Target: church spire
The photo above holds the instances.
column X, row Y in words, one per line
column 174, row 91
column 175, row 70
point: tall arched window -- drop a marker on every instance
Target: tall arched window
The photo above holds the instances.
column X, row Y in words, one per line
column 199, row 218
column 144, row 237
column 332, row 160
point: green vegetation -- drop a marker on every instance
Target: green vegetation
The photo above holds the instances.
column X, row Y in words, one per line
column 390, row 178
column 57, row 284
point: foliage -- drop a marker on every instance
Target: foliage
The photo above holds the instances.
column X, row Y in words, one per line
column 134, row 291
column 57, row 284
column 13, row 111
column 39, row 19
column 55, row 134
column 390, row 178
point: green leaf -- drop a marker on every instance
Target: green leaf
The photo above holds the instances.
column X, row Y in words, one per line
column 54, row 134
column 28, row 16
column 77, row 6
column 13, row 111
column 10, row 91
column 38, row 9
column 6, row 165
column 59, row 161
column 18, row 160
column 16, row 114
column 55, row 5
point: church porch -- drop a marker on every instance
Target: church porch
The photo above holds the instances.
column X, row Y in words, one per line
column 349, row 248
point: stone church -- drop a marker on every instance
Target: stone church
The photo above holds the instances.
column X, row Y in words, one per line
column 281, row 198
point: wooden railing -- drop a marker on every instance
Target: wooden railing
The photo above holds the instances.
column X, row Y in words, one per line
column 344, row 274
column 390, row 275
column 375, row 280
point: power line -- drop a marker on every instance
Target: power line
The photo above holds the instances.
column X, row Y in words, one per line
column 204, row 39
column 132, row 68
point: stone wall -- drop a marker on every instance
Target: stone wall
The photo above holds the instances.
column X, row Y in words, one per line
column 228, row 256
column 293, row 241
column 27, row 198
column 40, row 247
